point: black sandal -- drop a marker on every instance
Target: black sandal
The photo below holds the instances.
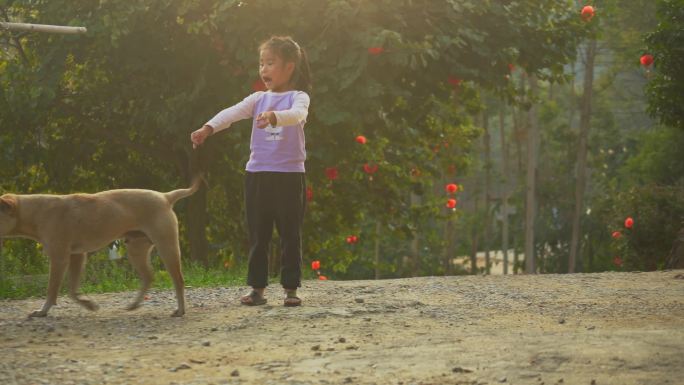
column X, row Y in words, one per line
column 253, row 299
column 292, row 300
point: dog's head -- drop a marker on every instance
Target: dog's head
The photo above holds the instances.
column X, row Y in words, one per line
column 8, row 214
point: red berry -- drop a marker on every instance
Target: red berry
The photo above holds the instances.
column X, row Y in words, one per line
column 331, row 172
column 370, row 169
column 454, row 81
column 629, row 222
column 646, row 60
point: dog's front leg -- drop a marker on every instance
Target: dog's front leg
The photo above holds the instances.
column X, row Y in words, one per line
column 59, row 260
column 76, row 267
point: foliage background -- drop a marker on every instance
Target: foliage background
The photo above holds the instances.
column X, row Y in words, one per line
column 114, row 108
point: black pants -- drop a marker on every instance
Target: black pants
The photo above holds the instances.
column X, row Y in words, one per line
column 275, row 198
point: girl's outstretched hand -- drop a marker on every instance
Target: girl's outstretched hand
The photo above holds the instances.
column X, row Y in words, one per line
column 199, row 136
column 266, row 118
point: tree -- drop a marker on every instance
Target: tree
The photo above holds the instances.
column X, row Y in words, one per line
column 666, row 86
column 581, row 170
column 123, row 99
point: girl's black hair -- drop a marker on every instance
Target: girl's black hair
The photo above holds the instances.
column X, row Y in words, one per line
column 288, row 50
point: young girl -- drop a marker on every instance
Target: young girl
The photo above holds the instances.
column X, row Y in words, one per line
column 275, row 191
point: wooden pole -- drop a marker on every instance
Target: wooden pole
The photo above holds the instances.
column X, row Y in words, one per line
column 504, row 183
column 41, row 28
column 487, row 196
column 2, row 261
column 415, row 244
column 530, row 185
column 376, row 250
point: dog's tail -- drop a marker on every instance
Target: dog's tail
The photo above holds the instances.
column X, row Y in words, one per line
column 176, row 195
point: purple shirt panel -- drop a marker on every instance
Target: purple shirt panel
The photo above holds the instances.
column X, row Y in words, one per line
column 276, row 149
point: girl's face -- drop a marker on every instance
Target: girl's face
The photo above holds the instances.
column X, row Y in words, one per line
column 274, row 72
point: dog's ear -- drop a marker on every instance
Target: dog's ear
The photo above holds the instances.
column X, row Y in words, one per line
column 8, row 205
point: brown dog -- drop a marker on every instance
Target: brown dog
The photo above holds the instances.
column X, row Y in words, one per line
column 69, row 226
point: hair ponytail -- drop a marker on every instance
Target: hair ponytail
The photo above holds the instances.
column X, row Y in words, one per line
column 290, row 51
column 303, row 79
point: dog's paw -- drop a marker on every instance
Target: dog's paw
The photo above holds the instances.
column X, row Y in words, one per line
column 133, row 306
column 90, row 305
column 38, row 313
column 178, row 313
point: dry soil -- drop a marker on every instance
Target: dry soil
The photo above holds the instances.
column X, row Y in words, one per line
column 608, row 328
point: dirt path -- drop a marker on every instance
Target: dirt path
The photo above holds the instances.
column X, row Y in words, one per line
column 610, row 328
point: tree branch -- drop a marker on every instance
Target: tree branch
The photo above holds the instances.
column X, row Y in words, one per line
column 15, row 38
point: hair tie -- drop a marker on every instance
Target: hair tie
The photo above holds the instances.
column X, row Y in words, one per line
column 299, row 50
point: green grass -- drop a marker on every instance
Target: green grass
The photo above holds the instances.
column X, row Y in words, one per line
column 195, row 275
column 103, row 275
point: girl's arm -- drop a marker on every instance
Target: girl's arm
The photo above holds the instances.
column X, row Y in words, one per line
column 230, row 115
column 296, row 114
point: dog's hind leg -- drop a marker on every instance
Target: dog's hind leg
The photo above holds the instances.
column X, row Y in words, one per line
column 138, row 249
column 169, row 251
column 59, row 260
column 76, row 267
column 170, row 255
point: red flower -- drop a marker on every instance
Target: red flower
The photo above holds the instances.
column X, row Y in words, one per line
column 315, row 265
column 629, row 222
column 361, row 139
column 451, row 203
column 352, row 239
column 451, row 188
column 617, row 234
column 376, row 50
column 587, row 12
column 332, row 173
column 646, row 60
column 454, row 81
column 258, row 85
column 511, row 67
column 370, row 169
column 617, row 261
column 322, row 277
column 415, row 172
column 309, row 193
